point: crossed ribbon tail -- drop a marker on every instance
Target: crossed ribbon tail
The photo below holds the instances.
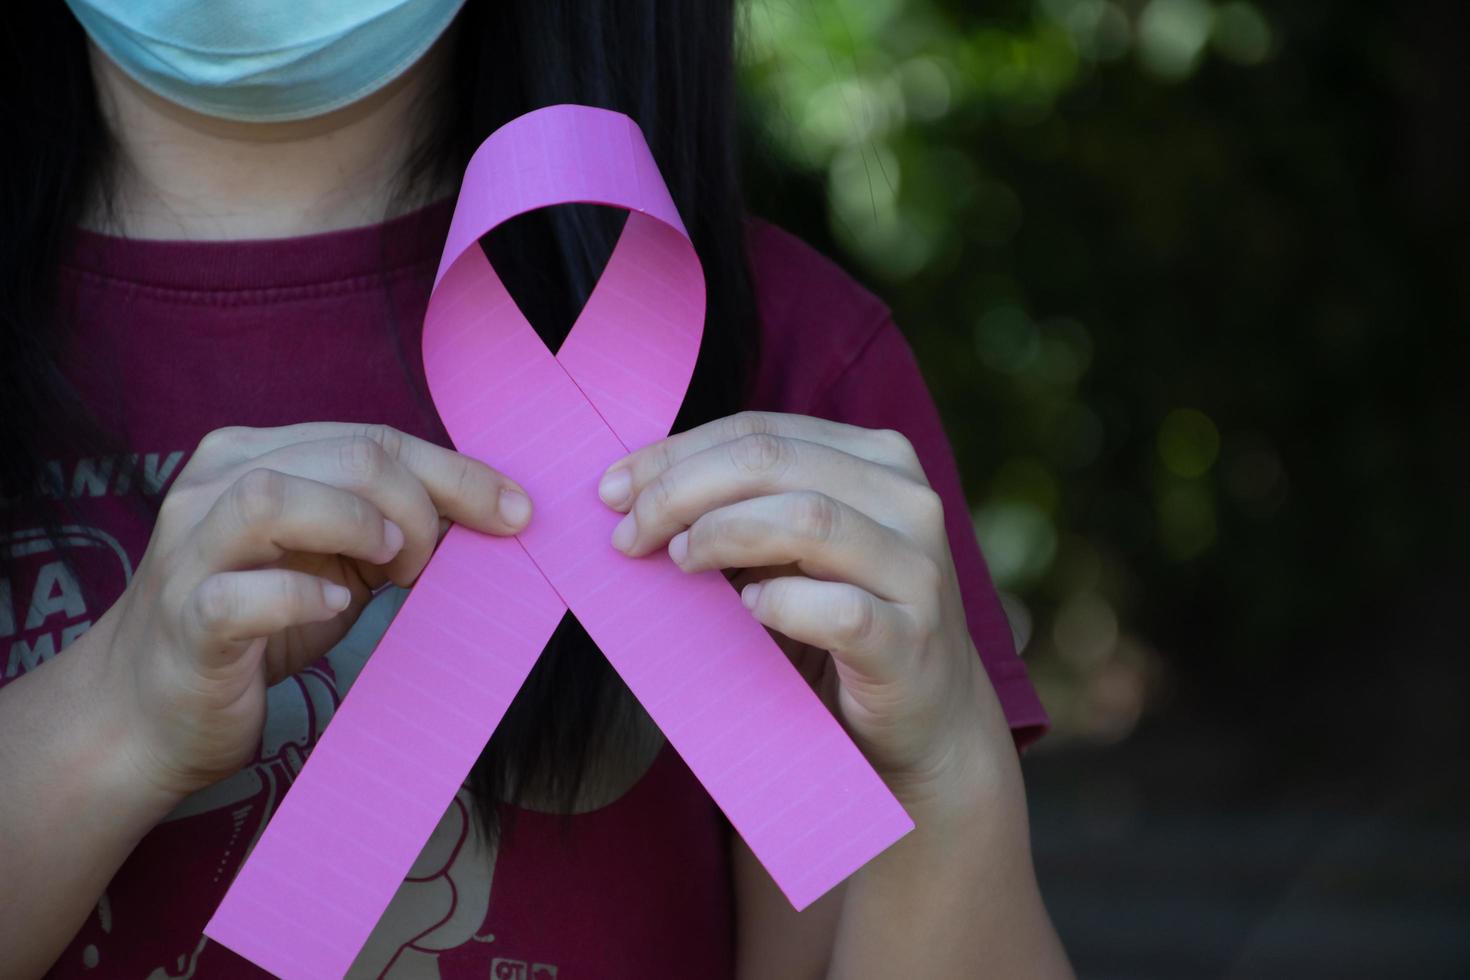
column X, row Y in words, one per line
column 771, row 756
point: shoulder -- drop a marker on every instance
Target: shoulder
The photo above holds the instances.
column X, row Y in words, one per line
column 815, row 319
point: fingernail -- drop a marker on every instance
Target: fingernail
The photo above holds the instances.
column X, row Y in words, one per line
column 615, row 487
column 625, row 533
column 751, row 594
column 515, row 507
column 392, row 540
column 679, row 547
column 336, row 596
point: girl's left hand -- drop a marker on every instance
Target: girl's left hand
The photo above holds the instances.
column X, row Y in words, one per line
column 841, row 542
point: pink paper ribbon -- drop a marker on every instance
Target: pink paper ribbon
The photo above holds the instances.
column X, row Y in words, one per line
column 789, row 779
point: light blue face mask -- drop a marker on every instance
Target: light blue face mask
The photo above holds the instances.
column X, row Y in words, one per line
column 264, row 60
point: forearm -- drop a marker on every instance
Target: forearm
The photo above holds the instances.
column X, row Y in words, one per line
column 71, row 807
column 958, row 896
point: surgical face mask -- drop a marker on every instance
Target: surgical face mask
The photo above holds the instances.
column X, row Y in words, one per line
column 264, row 60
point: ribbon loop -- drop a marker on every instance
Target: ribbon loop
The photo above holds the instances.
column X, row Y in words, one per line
column 647, row 309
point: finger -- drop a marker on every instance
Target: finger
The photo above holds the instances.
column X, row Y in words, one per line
column 863, row 633
column 882, row 446
column 824, row 538
column 765, row 464
column 229, row 609
column 362, row 466
column 463, row 489
column 265, row 514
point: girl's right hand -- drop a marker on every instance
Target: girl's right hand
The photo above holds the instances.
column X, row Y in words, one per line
column 267, row 547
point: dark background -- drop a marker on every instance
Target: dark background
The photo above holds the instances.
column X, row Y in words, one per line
column 1189, row 281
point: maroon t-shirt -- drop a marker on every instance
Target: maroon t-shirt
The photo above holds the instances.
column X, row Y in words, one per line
column 175, row 339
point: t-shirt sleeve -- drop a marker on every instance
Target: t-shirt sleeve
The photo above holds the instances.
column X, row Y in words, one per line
column 882, row 388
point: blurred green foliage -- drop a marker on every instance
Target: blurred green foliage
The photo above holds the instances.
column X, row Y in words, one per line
column 1170, row 288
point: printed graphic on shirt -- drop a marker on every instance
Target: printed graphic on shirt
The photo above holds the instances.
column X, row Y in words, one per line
column 114, row 476
column 503, row 969
column 42, row 604
column 42, row 607
column 440, row 906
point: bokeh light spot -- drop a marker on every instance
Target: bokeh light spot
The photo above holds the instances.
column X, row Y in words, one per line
column 1085, row 630
column 1098, row 29
column 1188, row 443
column 1018, row 540
column 1007, row 340
column 926, row 88
column 1171, row 36
column 1241, row 33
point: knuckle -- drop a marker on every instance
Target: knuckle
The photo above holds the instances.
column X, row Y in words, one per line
column 259, row 497
column 760, row 454
column 363, row 515
column 472, row 481
column 387, row 438
column 741, row 531
column 894, row 441
column 714, row 535
column 291, row 593
column 814, row 515
column 430, row 528
column 701, row 533
column 897, row 447
column 750, row 424
column 662, row 459
column 645, row 464
column 362, row 459
column 772, row 600
column 927, row 505
column 221, row 440
column 655, row 501
column 854, row 619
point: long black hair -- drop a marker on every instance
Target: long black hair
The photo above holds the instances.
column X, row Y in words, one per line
column 666, row 63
